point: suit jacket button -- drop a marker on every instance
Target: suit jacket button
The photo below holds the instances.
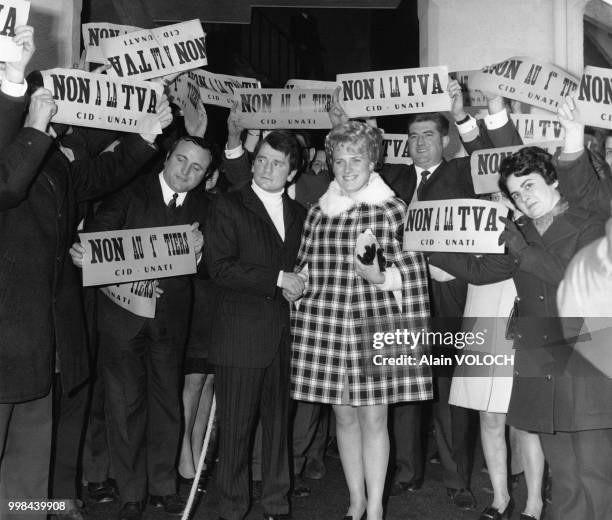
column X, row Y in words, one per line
column 519, row 336
column 268, row 297
column 545, row 337
column 548, row 377
column 541, row 297
column 517, row 299
column 516, row 373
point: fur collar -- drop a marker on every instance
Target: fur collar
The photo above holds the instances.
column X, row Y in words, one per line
column 334, row 201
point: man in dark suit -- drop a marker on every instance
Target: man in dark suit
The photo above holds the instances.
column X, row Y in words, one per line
column 252, row 238
column 431, row 177
column 141, row 356
column 41, row 321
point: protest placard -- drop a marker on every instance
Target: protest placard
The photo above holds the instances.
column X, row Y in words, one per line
column 522, row 78
column 594, row 99
column 184, row 92
column 96, row 31
column 137, row 297
column 284, row 108
column 388, row 92
column 485, row 164
column 126, row 255
column 218, row 89
column 395, row 149
column 311, row 84
column 100, row 101
column 13, row 13
column 458, row 225
column 471, row 96
column 535, row 127
column 156, row 52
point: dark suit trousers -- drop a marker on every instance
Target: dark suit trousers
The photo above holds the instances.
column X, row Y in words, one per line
column 453, row 424
column 242, row 395
column 407, row 441
column 25, row 433
column 69, row 424
column 96, row 456
column 141, row 381
column 581, row 467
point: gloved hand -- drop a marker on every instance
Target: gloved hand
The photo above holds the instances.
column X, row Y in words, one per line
column 512, row 237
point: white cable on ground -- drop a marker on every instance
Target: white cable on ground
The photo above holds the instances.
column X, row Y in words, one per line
column 196, row 479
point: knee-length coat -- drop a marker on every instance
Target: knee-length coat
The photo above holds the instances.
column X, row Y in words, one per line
column 332, row 328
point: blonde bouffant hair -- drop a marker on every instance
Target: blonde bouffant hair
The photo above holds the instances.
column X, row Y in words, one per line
column 352, row 133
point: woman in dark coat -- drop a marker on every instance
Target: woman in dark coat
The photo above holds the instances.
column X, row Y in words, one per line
column 540, row 246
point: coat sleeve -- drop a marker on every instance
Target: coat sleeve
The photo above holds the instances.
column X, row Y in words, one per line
column 411, row 265
column 222, row 254
column 22, row 152
column 237, row 171
column 477, row 270
column 110, row 170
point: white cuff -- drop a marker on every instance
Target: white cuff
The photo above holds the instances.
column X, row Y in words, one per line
column 234, row 153
column 439, row 275
column 468, row 126
column 13, row 89
column 495, row 121
column 393, row 280
column 279, row 280
column 574, row 142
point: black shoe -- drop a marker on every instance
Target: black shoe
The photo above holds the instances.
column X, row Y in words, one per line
column 435, row 458
column 171, row 504
column 492, row 513
column 185, row 480
column 130, row 511
column 364, row 516
column 282, row 516
column 101, row 492
column 525, row 516
column 398, row 488
column 314, row 469
column 462, row 498
column 300, row 489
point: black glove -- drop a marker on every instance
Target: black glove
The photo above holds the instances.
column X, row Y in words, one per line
column 382, row 261
column 512, row 237
column 368, row 256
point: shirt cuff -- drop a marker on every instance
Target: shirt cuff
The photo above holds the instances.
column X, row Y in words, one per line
column 496, row 121
column 234, row 153
column 279, row 280
column 393, row 280
column 13, row 89
column 468, row 130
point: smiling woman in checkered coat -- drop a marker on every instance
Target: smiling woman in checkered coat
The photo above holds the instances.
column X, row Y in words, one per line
column 346, row 302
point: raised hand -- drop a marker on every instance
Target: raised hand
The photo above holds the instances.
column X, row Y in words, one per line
column 512, row 237
column 456, row 95
column 42, row 109
column 24, row 36
column 337, row 115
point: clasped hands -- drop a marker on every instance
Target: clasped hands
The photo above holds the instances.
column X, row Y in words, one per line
column 512, row 237
column 293, row 285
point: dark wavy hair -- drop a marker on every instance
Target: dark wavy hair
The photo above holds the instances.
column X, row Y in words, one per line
column 204, row 144
column 285, row 142
column 531, row 159
column 439, row 119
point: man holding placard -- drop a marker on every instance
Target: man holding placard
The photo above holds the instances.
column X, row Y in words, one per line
column 142, row 356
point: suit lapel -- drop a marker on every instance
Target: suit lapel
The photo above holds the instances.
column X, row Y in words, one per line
column 253, row 204
column 434, row 178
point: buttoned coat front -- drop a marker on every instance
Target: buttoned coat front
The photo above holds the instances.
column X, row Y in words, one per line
column 333, row 326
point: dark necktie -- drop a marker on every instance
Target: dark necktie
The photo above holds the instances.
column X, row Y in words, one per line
column 172, row 202
column 424, row 181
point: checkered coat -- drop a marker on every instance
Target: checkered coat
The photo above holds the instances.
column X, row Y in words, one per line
column 333, row 325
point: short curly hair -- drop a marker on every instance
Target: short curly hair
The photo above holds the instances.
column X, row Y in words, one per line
column 531, row 159
column 353, row 132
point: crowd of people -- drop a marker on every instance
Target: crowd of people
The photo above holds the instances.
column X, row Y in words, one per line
column 279, row 319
